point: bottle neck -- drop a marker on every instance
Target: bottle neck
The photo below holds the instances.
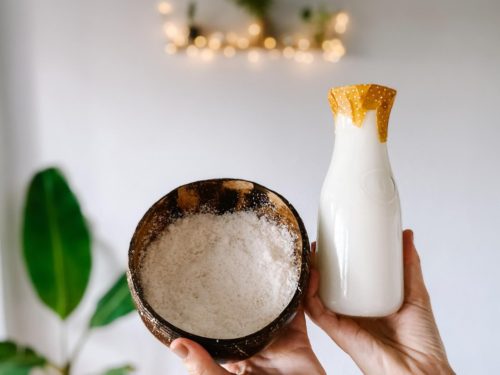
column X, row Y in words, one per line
column 359, row 147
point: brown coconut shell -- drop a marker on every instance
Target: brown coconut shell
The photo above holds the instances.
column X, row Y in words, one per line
column 218, row 196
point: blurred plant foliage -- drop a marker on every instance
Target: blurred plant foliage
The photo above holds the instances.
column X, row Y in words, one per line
column 257, row 8
column 58, row 257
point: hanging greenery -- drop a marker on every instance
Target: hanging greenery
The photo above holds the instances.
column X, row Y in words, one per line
column 257, row 8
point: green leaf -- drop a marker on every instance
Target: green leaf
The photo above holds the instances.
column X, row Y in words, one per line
column 257, row 8
column 18, row 360
column 56, row 242
column 306, row 14
column 115, row 303
column 124, row 370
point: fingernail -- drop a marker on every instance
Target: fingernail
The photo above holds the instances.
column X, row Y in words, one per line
column 180, row 351
column 411, row 236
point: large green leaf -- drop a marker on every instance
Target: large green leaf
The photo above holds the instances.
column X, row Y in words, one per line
column 123, row 370
column 115, row 303
column 17, row 360
column 56, row 242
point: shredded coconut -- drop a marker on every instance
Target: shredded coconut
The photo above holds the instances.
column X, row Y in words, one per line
column 221, row 276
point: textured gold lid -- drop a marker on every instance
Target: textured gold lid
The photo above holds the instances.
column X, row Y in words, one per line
column 355, row 100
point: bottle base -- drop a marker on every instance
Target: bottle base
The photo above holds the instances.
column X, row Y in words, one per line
column 366, row 312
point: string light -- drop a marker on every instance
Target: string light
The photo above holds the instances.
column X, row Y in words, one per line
column 339, row 50
column 301, row 49
column 171, row 48
column 207, row 54
column 341, row 22
column 331, row 56
column 215, row 41
column 254, row 56
column 165, row 8
column 342, row 18
column 180, row 40
column 332, row 44
column 270, row 42
column 303, row 44
column 340, row 28
column 171, row 31
column 232, row 38
column 254, row 29
column 200, row 41
column 243, row 43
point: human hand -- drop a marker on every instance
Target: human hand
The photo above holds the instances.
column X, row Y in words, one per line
column 291, row 354
column 406, row 342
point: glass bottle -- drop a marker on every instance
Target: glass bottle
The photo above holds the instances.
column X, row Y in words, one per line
column 359, row 246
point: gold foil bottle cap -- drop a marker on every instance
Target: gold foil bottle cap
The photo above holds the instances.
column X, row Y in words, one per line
column 355, row 100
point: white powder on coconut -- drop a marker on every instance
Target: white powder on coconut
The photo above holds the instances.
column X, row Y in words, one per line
column 221, row 276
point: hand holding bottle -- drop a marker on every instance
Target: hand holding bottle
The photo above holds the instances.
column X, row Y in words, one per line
column 406, row 342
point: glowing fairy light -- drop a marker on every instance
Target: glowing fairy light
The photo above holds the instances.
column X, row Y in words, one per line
column 340, row 28
column 180, row 40
column 164, row 8
column 330, row 56
column 341, row 21
column 207, row 55
column 215, row 42
column 270, row 42
column 257, row 42
column 254, row 29
column 303, row 44
column 342, row 18
column 200, row 41
column 243, row 43
column 254, row 56
column 171, row 31
column 232, row 38
column 192, row 51
column 171, row 48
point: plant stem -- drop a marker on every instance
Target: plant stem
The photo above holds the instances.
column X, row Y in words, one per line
column 63, row 341
column 76, row 351
column 55, row 367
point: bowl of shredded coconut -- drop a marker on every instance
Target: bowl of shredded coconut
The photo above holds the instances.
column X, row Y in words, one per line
column 223, row 262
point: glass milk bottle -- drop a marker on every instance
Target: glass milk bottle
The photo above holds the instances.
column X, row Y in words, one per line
column 359, row 245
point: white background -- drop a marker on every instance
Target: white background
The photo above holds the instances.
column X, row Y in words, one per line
column 85, row 85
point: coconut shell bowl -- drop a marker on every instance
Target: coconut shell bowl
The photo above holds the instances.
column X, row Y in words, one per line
column 218, row 196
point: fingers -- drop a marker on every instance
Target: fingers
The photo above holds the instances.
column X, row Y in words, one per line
column 415, row 290
column 195, row 358
column 344, row 331
column 299, row 321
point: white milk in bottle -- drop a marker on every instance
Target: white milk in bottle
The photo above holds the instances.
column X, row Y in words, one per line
column 359, row 245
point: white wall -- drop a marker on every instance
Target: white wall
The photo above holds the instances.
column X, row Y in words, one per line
column 86, row 86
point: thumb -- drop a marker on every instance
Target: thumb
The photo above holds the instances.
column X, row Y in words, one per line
column 415, row 290
column 196, row 358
